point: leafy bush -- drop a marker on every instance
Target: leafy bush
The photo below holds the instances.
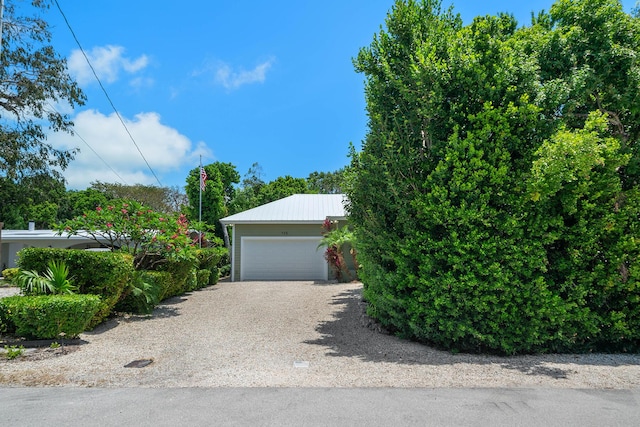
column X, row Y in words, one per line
column 6, row 323
column 496, row 198
column 106, row 274
column 212, row 259
column 46, row 316
column 223, row 272
column 10, row 273
column 183, row 277
column 203, row 278
column 214, row 276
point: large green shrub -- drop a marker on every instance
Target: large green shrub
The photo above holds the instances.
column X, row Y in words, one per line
column 183, row 276
column 496, row 199
column 106, row 274
column 162, row 280
column 6, row 323
column 202, row 278
column 46, row 316
column 212, row 259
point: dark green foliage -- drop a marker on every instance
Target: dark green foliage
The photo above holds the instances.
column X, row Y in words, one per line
column 183, row 277
column 106, row 274
column 255, row 192
column 167, row 200
column 282, row 187
column 46, row 316
column 212, row 259
column 495, row 201
column 30, row 198
column 202, row 280
column 6, row 322
column 327, row 182
column 144, row 292
column 74, row 203
column 217, row 192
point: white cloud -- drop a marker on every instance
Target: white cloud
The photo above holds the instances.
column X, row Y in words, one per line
column 232, row 78
column 141, row 82
column 107, row 61
column 164, row 147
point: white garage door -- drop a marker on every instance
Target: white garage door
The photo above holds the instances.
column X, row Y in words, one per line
column 282, row 258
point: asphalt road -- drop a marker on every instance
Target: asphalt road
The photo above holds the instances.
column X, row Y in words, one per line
column 317, row 407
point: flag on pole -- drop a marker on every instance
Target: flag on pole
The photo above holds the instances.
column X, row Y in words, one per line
column 203, row 178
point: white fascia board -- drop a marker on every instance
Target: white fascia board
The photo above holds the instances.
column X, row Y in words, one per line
column 270, row 222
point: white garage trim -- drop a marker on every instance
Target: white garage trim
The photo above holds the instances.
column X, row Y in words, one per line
column 282, row 258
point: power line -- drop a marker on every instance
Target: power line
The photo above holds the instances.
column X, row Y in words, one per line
column 105, row 92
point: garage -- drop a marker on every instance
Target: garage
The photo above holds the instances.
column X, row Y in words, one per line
column 282, row 258
column 279, row 240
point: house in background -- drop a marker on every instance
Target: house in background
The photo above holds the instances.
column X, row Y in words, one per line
column 279, row 240
column 12, row 241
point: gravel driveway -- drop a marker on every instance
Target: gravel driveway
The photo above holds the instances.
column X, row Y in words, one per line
column 291, row 334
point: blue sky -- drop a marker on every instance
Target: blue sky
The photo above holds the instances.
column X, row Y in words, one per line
column 240, row 82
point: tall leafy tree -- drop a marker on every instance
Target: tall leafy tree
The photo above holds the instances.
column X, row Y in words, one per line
column 230, row 177
column 495, row 199
column 282, row 187
column 247, row 196
column 213, row 198
column 255, row 192
column 327, row 182
column 30, row 198
column 160, row 199
column 32, row 78
column 77, row 202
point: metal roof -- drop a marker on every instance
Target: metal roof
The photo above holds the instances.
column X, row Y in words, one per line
column 9, row 236
column 299, row 208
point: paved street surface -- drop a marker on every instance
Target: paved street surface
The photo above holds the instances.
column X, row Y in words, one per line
column 317, row 407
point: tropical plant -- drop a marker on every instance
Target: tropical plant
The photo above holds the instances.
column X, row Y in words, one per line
column 55, row 280
column 336, row 239
column 141, row 295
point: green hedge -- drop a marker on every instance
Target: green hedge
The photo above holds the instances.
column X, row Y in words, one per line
column 183, row 277
column 174, row 277
column 6, row 323
column 212, row 259
column 106, row 274
column 203, row 278
column 46, row 316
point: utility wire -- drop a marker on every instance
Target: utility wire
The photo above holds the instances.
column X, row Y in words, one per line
column 75, row 132
column 105, row 92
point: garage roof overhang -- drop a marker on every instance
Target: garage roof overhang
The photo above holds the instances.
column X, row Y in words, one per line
column 295, row 209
